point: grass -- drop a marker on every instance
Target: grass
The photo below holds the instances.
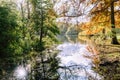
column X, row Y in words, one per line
column 109, row 54
column 110, row 60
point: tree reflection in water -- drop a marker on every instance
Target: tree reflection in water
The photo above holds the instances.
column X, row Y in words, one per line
column 74, row 64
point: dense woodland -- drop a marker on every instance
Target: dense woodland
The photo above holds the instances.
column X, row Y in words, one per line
column 26, row 26
column 29, row 27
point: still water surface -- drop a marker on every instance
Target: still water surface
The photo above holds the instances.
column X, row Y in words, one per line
column 72, row 56
column 74, row 64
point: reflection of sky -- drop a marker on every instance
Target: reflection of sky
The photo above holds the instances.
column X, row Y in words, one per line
column 73, row 55
column 20, row 73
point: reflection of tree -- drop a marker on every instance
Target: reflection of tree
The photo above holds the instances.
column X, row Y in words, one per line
column 66, row 28
column 72, row 29
column 72, row 72
column 71, row 38
column 67, row 38
column 49, row 70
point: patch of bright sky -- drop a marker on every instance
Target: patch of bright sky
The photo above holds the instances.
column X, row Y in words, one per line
column 72, row 10
column 19, row 2
column 117, row 8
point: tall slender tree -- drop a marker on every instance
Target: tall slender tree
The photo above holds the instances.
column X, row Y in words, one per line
column 114, row 38
column 43, row 18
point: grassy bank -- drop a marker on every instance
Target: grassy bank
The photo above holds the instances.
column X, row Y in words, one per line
column 109, row 66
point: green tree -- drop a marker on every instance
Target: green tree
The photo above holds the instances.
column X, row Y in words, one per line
column 8, row 26
column 43, row 17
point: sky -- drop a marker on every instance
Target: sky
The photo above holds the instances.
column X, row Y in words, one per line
column 72, row 8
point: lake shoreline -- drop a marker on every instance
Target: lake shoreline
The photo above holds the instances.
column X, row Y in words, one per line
column 109, row 66
column 109, row 53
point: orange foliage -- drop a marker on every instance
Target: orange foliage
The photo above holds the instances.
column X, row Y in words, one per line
column 101, row 17
column 95, row 58
column 92, row 49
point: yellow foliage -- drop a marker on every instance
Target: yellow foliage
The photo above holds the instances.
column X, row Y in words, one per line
column 101, row 17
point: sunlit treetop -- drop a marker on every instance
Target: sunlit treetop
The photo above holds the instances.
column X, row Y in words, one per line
column 100, row 15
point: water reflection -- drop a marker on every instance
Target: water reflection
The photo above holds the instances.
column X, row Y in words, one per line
column 67, row 38
column 72, row 58
column 74, row 64
column 20, row 73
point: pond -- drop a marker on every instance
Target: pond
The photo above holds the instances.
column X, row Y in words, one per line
column 75, row 65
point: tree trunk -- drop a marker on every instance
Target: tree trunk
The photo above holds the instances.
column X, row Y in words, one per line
column 114, row 38
column 41, row 26
column 41, row 37
column 23, row 18
column 28, row 10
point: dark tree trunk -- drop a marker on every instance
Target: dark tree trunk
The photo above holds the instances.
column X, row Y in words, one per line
column 23, row 18
column 41, row 26
column 41, row 34
column 41, row 37
column 114, row 38
column 28, row 10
